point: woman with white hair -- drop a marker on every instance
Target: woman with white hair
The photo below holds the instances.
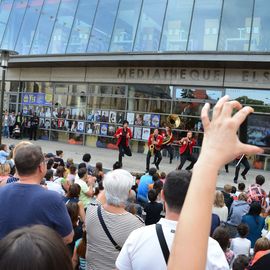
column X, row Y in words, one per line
column 109, row 225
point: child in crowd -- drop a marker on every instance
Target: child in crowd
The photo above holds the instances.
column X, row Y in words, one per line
column 163, row 177
column 152, row 208
column 261, row 248
column 221, row 235
column 241, row 245
column 17, row 132
column 233, row 193
column 79, row 253
column 240, row 263
column 4, row 173
column 241, row 189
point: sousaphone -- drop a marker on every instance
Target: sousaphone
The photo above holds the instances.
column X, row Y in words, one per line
column 173, row 121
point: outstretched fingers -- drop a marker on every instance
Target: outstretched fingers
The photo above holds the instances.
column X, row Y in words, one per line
column 219, row 106
column 250, row 149
column 242, row 114
column 204, row 115
column 229, row 106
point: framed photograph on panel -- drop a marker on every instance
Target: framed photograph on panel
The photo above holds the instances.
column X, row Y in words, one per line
column 111, row 130
column 112, row 117
column 137, row 133
column 138, row 119
column 145, row 133
column 155, row 120
column 80, row 126
column 130, row 118
column 105, row 116
column 103, row 129
column 147, row 119
column 120, row 117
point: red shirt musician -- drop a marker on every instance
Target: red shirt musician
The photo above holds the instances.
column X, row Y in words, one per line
column 123, row 135
column 186, row 147
column 168, row 140
column 154, row 144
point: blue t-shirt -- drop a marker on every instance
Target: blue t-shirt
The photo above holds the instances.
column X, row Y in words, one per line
column 145, row 181
column 255, row 225
column 27, row 204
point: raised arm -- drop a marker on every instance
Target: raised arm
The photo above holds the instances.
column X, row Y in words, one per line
column 220, row 146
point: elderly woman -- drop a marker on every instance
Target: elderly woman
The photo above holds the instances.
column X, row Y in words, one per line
column 109, row 225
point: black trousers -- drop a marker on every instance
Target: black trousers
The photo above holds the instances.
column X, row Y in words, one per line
column 33, row 132
column 169, row 149
column 123, row 150
column 244, row 161
column 184, row 158
column 157, row 158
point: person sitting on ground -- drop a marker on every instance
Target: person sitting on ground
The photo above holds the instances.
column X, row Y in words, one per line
column 219, row 207
column 256, row 193
column 72, row 174
column 102, row 249
column 17, row 132
column 26, row 203
column 238, row 209
column 241, row 189
column 36, row 247
column 227, row 195
column 221, row 235
column 86, row 159
column 73, row 195
column 58, row 159
column 3, row 153
column 240, row 263
column 98, row 172
column 4, row 173
column 60, row 178
column 117, row 165
column 241, row 245
column 133, row 254
column 78, row 258
column 86, row 191
column 73, row 211
column 50, row 163
column 261, row 248
column 163, row 177
column 143, row 187
column 51, row 185
column 233, row 193
column 131, row 205
column 254, row 221
column 69, row 163
column 152, row 209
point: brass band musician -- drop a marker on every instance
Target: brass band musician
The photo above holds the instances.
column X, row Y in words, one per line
column 186, row 147
column 154, row 144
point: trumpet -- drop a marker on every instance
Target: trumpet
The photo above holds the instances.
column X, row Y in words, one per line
column 151, row 149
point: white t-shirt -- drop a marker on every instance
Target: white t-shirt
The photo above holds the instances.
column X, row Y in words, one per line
column 142, row 250
column 240, row 246
column 222, row 212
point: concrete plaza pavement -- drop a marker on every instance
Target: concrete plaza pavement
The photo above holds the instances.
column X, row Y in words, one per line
column 136, row 163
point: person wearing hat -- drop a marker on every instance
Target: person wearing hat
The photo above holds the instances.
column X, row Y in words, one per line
column 123, row 135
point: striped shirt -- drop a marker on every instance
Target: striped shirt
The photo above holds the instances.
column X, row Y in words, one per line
column 101, row 253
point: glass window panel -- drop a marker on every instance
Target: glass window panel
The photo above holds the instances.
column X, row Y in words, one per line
column 63, row 26
column 77, row 101
column 250, row 97
column 14, row 22
column 45, row 26
column 149, row 105
column 235, row 25
column 150, row 91
column 5, row 8
column 82, row 26
column 103, row 26
column 176, row 26
column 125, row 26
column 199, row 94
column 112, row 90
column 28, row 27
column 205, row 25
column 114, row 103
column 260, row 39
column 37, row 87
column 149, row 30
column 187, row 108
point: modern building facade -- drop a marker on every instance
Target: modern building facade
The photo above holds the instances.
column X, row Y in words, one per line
column 84, row 66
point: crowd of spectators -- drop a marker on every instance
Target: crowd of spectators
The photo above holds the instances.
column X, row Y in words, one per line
column 61, row 215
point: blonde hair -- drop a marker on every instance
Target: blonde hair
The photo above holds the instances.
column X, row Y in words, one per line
column 228, row 188
column 242, row 197
column 261, row 244
column 4, row 169
column 219, row 199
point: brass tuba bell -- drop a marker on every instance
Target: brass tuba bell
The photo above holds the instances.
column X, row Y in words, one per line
column 173, row 121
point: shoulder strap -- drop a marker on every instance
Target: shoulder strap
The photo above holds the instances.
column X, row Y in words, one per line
column 101, row 220
column 162, row 242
